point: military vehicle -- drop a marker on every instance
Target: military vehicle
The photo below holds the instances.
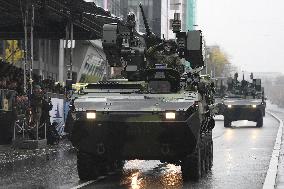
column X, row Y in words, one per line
column 157, row 112
column 244, row 101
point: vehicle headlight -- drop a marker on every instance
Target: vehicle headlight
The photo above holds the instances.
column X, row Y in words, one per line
column 229, row 106
column 254, row 106
column 170, row 115
column 91, row 115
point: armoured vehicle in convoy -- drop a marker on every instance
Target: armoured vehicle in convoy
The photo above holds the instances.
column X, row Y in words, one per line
column 243, row 101
column 157, row 112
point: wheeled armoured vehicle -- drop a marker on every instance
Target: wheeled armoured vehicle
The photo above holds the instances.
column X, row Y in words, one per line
column 244, row 101
column 157, row 112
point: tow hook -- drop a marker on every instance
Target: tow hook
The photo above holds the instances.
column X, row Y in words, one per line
column 101, row 148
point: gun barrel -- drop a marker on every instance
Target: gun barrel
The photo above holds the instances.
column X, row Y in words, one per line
column 148, row 31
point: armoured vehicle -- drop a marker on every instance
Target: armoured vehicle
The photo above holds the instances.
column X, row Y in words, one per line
column 244, row 101
column 157, row 112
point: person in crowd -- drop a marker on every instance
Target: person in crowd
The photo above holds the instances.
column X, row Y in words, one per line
column 35, row 108
column 46, row 107
column 36, row 101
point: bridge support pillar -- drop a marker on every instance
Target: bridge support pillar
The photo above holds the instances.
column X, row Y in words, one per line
column 61, row 61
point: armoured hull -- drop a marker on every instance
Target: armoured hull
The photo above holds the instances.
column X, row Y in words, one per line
column 137, row 136
column 244, row 109
column 136, row 127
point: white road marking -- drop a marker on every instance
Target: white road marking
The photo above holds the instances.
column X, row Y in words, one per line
column 84, row 184
column 270, row 180
column 89, row 182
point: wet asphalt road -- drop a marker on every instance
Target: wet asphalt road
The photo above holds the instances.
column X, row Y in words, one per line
column 241, row 159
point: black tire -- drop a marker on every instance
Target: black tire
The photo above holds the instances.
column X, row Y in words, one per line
column 191, row 166
column 227, row 122
column 86, row 166
column 209, row 154
column 263, row 113
column 119, row 165
column 203, row 157
column 207, row 158
column 259, row 121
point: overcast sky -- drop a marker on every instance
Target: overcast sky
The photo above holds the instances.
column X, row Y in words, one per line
column 251, row 32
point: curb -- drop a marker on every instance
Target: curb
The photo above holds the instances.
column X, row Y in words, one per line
column 271, row 175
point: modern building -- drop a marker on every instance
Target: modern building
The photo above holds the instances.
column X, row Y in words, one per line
column 159, row 13
column 51, row 57
column 190, row 14
column 152, row 9
column 187, row 11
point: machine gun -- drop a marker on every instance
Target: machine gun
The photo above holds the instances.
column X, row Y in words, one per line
column 150, row 38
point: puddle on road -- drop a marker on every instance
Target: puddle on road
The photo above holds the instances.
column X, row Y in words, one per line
column 139, row 174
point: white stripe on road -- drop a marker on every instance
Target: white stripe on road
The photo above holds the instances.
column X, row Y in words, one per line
column 84, row 184
column 270, row 180
column 88, row 183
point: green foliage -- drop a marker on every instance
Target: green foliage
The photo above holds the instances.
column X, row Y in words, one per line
column 13, row 52
column 217, row 61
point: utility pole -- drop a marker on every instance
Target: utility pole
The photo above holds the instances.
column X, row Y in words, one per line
column 69, row 38
column 26, row 50
column 32, row 51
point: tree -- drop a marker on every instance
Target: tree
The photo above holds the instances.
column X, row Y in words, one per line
column 13, row 53
column 217, row 61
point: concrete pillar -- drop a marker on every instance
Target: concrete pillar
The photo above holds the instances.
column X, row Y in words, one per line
column 45, row 58
column 61, row 61
column 49, row 62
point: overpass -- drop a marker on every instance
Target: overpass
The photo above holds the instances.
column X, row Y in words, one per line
column 47, row 23
column 51, row 18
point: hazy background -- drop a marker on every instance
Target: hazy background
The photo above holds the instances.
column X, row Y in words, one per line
column 251, row 32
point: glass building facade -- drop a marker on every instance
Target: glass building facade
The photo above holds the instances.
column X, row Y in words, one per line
column 191, row 14
column 152, row 9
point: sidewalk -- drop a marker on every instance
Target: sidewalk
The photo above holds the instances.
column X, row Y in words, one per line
column 10, row 155
column 279, row 112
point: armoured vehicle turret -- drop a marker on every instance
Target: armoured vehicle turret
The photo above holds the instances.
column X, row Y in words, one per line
column 243, row 101
column 157, row 112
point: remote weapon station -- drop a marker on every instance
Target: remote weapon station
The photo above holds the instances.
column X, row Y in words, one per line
column 157, row 112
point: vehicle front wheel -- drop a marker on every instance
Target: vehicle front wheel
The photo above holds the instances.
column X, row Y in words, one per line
column 86, row 166
column 192, row 166
column 259, row 121
column 227, row 122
